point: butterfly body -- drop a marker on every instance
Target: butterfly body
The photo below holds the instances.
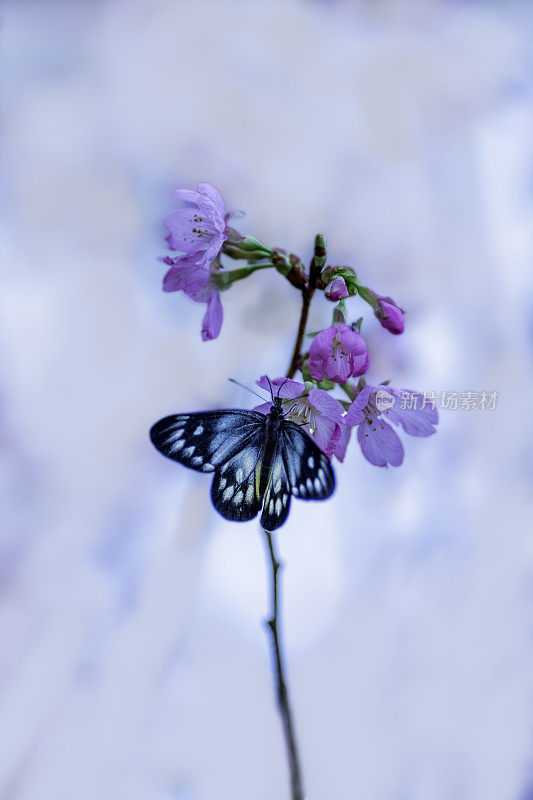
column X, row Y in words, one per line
column 258, row 461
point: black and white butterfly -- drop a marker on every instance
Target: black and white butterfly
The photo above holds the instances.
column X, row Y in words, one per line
column 258, row 460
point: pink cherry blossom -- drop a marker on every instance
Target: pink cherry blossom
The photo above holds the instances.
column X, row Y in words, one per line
column 373, row 409
column 200, row 229
column 197, row 283
column 338, row 353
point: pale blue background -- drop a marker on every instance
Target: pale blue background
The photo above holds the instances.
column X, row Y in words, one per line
column 133, row 663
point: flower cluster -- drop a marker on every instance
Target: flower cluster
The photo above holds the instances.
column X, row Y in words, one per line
column 330, row 421
column 198, row 232
column 202, row 236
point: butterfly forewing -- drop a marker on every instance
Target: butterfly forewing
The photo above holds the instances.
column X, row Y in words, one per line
column 207, row 440
column 309, row 471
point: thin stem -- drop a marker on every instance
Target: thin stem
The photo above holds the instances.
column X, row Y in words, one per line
column 281, row 684
column 317, row 262
column 307, row 294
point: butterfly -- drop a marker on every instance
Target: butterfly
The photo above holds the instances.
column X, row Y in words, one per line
column 258, row 461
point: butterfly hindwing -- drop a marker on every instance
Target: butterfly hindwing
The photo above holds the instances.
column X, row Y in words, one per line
column 277, row 498
column 235, row 488
column 309, row 471
column 206, row 440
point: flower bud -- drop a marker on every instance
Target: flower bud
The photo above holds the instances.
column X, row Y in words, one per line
column 390, row 315
column 290, row 266
column 387, row 312
column 336, row 290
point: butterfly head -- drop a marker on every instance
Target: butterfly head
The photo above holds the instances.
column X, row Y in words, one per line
column 276, row 409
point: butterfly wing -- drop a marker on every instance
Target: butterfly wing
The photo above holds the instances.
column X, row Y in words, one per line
column 277, row 497
column 309, row 471
column 235, row 488
column 228, row 443
column 207, row 439
column 297, row 467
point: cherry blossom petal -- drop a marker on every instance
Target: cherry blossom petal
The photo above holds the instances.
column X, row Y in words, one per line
column 325, row 429
column 379, row 443
column 264, row 408
column 287, row 388
column 212, row 321
column 354, row 415
column 342, row 443
column 326, row 404
column 320, row 352
column 351, row 340
column 419, row 421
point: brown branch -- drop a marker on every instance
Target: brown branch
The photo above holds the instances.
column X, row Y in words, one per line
column 307, row 294
column 297, row 792
column 308, row 290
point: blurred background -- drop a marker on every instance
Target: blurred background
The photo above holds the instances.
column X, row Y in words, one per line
column 133, row 659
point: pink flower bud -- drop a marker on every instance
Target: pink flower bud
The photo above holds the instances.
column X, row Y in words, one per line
column 337, row 289
column 390, row 315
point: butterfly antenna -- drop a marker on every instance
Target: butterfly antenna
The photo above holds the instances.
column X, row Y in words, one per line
column 271, row 390
column 232, row 380
column 281, row 386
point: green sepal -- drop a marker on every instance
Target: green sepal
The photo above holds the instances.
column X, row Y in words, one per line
column 325, row 384
column 369, row 297
column 304, row 369
column 250, row 243
column 311, row 383
column 339, row 312
column 222, row 280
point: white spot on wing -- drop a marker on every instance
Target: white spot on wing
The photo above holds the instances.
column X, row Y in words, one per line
column 177, row 445
column 228, row 493
column 322, row 475
column 189, row 451
column 250, row 492
column 271, row 507
column 295, row 491
column 311, row 462
column 284, row 499
column 197, row 460
column 309, row 484
column 277, row 487
column 278, row 506
column 199, row 430
column 222, row 482
column 248, row 462
column 239, row 475
column 238, row 497
column 207, row 467
column 318, row 485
